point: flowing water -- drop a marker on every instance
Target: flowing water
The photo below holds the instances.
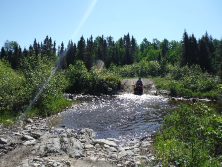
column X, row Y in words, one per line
column 125, row 117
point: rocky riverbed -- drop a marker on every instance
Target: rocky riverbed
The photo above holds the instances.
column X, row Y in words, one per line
column 39, row 145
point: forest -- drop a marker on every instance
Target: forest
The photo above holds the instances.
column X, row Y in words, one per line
column 34, row 79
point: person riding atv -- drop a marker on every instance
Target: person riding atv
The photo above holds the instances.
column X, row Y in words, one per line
column 138, row 87
column 139, row 82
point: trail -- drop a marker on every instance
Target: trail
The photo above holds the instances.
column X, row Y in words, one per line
column 127, row 85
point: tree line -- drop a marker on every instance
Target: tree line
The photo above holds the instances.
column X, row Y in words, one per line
column 206, row 51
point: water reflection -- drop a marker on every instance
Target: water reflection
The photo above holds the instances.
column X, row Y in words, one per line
column 126, row 117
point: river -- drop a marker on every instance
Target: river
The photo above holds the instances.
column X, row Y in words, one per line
column 125, row 117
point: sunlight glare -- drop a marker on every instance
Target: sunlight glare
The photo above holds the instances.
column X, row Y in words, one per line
column 85, row 17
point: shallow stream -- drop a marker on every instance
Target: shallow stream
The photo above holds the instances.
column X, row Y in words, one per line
column 125, row 117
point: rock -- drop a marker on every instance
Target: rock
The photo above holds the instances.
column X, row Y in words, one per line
column 27, row 137
column 145, row 144
column 29, row 120
column 35, row 135
column 53, row 146
column 3, row 141
column 97, row 145
column 29, row 142
column 89, row 146
column 25, row 163
column 86, row 135
column 112, row 149
column 125, row 153
column 104, row 141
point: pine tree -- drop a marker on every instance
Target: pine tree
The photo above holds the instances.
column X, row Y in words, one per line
column 127, row 46
column 193, row 51
column 204, row 54
column 89, row 53
column 185, row 50
column 81, row 47
column 3, row 53
column 133, row 50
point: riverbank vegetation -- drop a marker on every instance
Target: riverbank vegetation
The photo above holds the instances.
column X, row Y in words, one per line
column 190, row 136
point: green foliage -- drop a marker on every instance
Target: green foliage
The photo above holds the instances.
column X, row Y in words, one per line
column 192, row 82
column 143, row 68
column 35, row 80
column 78, row 77
column 191, row 136
column 42, row 82
column 11, row 94
column 93, row 82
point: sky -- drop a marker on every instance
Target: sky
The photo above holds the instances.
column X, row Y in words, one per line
column 63, row 20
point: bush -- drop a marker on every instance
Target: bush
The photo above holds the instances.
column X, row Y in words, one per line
column 93, row 82
column 190, row 136
column 191, row 82
column 78, row 77
column 44, row 84
column 12, row 90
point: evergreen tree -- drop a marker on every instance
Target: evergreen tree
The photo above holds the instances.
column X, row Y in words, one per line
column 144, row 44
column 3, row 53
column 133, row 50
column 89, row 53
column 128, row 59
column 164, row 46
column 193, row 51
column 35, row 47
column 185, row 50
column 121, row 51
column 25, row 53
column 54, row 48
column 81, row 49
column 204, row 54
column 62, row 57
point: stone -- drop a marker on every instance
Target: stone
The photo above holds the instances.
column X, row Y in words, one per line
column 89, row 146
column 145, row 144
column 125, row 153
column 29, row 142
column 112, row 149
column 97, row 145
column 3, row 141
column 25, row 163
column 35, row 135
column 29, row 120
column 53, row 146
column 104, row 141
column 27, row 137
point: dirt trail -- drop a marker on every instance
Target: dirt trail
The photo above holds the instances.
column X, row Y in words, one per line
column 127, row 85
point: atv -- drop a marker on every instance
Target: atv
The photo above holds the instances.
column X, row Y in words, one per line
column 138, row 89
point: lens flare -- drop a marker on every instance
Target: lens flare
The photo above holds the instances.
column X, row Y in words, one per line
column 85, row 17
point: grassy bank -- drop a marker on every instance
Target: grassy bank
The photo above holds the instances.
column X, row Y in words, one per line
column 190, row 82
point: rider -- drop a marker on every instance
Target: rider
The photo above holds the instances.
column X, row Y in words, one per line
column 139, row 82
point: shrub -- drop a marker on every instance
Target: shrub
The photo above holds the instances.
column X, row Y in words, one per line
column 44, row 84
column 12, row 90
column 190, row 136
column 78, row 77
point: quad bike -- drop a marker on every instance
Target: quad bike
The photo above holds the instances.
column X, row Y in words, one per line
column 138, row 89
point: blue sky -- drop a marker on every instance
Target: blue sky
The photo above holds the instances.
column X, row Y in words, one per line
column 24, row 20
